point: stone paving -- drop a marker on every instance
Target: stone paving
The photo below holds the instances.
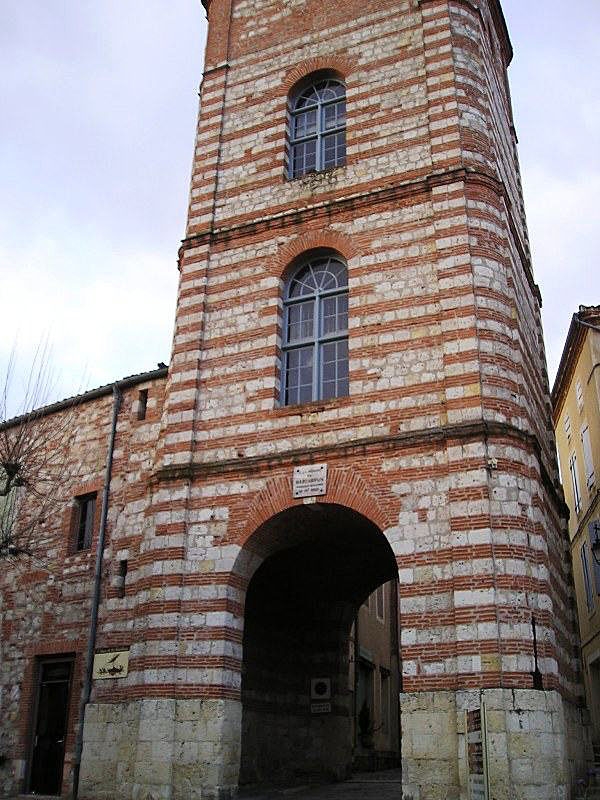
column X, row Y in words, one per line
column 384, row 785
column 364, row 786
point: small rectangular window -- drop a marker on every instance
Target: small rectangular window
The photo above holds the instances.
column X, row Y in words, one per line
column 579, row 394
column 590, row 475
column 589, row 594
column 575, row 482
column 86, row 510
column 567, row 424
column 121, row 576
column 142, row 403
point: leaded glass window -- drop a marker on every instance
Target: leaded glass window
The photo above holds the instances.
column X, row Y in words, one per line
column 315, row 336
column 318, row 128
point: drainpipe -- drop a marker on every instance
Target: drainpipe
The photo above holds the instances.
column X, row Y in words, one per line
column 397, row 628
column 89, row 661
column 356, row 663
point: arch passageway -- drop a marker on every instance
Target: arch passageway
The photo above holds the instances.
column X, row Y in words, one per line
column 313, row 566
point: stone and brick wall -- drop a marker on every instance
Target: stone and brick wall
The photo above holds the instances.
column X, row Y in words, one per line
column 45, row 602
column 443, row 444
column 576, row 414
column 444, row 322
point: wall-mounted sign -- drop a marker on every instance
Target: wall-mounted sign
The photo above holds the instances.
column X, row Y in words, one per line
column 477, row 755
column 111, row 665
column 320, row 689
column 310, row 480
column 320, row 695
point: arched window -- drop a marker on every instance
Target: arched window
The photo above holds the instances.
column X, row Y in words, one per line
column 315, row 335
column 317, row 127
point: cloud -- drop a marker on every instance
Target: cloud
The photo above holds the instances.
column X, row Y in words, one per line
column 106, row 312
column 564, row 220
column 99, row 108
column 555, row 87
column 99, row 111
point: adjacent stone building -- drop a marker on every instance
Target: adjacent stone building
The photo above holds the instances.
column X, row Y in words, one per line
column 357, row 394
column 374, row 681
column 576, row 408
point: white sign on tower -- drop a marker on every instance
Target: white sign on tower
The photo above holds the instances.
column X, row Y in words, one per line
column 310, row 480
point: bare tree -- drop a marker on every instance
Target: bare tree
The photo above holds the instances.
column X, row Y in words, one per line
column 33, row 448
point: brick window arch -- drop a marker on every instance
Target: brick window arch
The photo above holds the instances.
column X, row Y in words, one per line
column 315, row 330
column 317, row 125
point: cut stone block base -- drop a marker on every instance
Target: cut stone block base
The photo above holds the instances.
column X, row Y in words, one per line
column 537, row 747
column 537, row 744
column 161, row 750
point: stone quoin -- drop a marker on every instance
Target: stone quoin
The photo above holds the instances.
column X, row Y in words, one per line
column 356, row 291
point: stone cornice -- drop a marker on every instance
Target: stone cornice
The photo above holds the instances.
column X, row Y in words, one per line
column 389, row 193
column 389, row 442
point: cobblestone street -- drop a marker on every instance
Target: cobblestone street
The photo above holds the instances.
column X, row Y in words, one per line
column 365, row 786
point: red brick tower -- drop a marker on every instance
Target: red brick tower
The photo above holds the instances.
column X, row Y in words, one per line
column 357, row 304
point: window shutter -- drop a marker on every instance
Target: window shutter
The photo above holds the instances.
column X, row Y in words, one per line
column 579, row 395
column 596, row 567
column 575, row 483
column 586, row 576
column 567, row 424
column 590, row 476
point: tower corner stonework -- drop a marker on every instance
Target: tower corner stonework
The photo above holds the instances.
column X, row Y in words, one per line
column 357, row 314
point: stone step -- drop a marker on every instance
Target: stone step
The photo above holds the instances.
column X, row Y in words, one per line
column 35, row 797
column 379, row 776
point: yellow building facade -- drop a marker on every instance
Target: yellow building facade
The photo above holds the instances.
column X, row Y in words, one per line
column 576, row 413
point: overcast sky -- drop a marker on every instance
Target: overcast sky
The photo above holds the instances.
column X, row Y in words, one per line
column 98, row 109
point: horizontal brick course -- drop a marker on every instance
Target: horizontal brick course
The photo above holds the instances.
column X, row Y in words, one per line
column 442, row 443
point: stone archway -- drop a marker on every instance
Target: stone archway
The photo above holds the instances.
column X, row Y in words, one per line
column 309, row 568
